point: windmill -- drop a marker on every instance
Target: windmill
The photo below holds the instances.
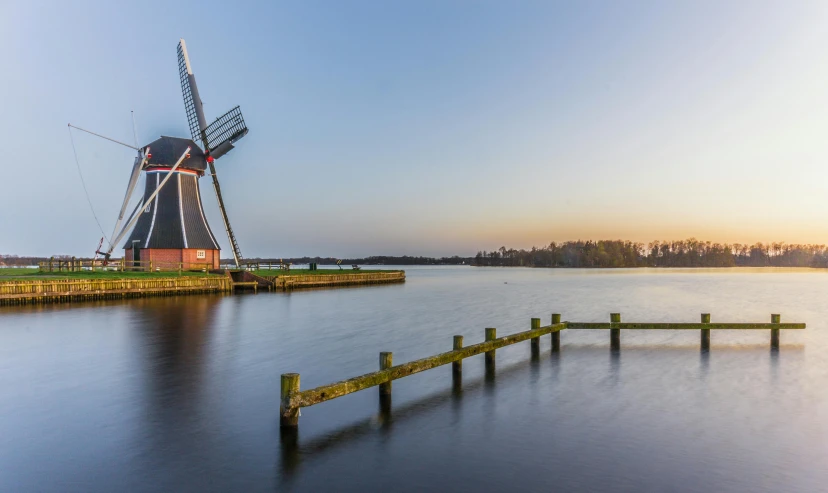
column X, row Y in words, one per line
column 171, row 225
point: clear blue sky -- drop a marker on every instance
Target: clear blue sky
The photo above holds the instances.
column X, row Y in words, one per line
column 429, row 128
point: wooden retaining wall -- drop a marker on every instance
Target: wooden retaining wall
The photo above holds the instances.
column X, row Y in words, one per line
column 62, row 290
column 293, row 398
column 286, row 282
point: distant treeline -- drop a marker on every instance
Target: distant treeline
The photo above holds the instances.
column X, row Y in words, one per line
column 17, row 261
column 686, row 253
column 23, row 261
column 374, row 260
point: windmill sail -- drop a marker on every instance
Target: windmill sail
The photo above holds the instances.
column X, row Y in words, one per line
column 225, row 131
column 192, row 101
column 217, row 139
column 137, row 167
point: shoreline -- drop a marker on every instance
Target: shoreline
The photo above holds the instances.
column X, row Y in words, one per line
column 25, row 292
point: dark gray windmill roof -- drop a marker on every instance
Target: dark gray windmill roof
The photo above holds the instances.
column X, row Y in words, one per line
column 166, row 151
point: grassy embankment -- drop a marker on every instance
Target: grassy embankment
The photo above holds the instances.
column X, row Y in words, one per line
column 18, row 274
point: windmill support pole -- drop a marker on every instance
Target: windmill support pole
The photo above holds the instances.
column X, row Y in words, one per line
column 233, row 244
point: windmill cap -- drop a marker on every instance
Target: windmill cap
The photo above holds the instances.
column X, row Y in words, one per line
column 167, row 150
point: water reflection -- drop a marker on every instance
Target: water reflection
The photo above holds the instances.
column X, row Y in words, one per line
column 614, row 374
column 489, row 375
column 293, row 453
column 704, row 363
column 174, row 338
column 182, row 394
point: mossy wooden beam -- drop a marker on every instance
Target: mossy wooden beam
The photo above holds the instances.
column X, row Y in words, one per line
column 615, row 331
column 385, row 361
column 683, row 326
column 775, row 319
column 457, row 366
column 556, row 336
column 305, row 398
column 289, row 418
column 705, row 333
column 534, row 325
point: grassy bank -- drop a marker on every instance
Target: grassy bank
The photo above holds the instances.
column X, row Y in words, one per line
column 35, row 274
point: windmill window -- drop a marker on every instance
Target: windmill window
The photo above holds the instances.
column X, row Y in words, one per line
column 201, row 254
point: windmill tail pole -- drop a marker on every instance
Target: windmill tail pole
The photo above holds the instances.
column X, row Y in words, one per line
column 149, row 201
column 234, row 245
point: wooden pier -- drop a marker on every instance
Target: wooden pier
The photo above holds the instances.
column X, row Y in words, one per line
column 293, row 398
column 288, row 282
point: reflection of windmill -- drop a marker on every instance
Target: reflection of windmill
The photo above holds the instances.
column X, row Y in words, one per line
column 171, row 226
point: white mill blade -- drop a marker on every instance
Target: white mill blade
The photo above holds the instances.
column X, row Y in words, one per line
column 192, row 101
column 137, row 166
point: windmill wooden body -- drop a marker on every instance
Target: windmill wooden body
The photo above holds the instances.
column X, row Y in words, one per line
column 173, row 229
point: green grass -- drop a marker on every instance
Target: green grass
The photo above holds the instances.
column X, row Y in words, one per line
column 15, row 272
column 34, row 275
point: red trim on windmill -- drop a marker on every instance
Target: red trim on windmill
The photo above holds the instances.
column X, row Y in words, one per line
column 156, row 169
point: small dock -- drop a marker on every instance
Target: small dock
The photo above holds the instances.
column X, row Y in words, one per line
column 289, row 282
column 247, row 280
column 293, row 398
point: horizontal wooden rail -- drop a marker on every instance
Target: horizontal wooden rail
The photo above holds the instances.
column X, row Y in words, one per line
column 327, row 392
column 292, row 398
column 682, row 326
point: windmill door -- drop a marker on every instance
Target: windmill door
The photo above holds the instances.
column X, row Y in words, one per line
column 136, row 254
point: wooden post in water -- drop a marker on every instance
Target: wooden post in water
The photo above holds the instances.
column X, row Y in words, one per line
column 290, row 384
column 491, row 334
column 705, row 333
column 535, row 324
column 556, row 336
column 615, row 334
column 457, row 366
column 385, row 362
column 775, row 319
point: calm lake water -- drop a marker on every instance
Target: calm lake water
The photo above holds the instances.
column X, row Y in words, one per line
column 182, row 394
